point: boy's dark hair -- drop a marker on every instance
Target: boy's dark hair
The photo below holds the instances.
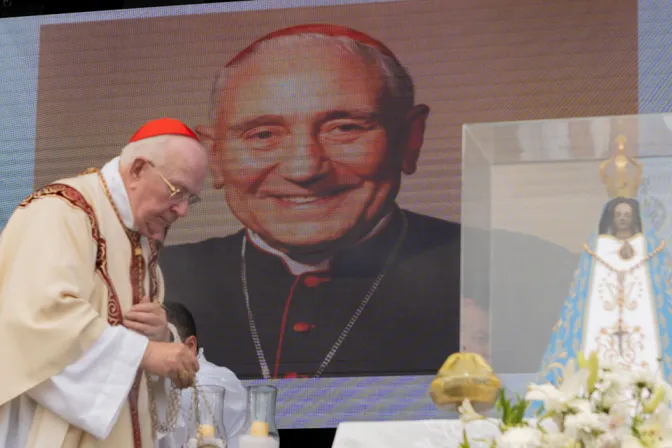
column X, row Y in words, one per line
column 181, row 317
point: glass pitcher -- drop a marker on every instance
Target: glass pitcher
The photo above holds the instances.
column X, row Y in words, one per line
column 261, row 409
column 206, row 418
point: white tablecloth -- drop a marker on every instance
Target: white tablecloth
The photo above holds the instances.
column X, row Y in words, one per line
column 410, row 434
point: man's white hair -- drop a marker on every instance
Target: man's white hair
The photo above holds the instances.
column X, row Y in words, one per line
column 398, row 80
column 152, row 148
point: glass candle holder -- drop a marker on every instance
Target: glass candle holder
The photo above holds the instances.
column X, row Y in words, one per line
column 206, row 418
column 262, row 431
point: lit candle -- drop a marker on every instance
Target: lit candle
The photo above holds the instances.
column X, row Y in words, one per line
column 259, row 429
column 206, row 431
column 258, row 437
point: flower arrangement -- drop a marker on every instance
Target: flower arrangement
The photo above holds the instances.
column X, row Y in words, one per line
column 595, row 406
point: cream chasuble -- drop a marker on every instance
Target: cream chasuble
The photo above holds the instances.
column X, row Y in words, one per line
column 68, row 272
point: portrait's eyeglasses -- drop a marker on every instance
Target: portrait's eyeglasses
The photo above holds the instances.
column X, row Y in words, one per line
column 176, row 195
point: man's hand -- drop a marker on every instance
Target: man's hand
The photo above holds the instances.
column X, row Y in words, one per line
column 148, row 318
column 171, row 360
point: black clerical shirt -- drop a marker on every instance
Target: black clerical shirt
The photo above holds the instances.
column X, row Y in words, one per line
column 409, row 326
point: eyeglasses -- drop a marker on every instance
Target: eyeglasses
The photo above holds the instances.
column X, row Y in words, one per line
column 176, row 195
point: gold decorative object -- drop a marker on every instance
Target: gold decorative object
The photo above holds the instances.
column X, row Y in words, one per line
column 621, row 174
column 465, row 376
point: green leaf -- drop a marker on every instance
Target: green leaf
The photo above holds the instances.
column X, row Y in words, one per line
column 504, row 407
column 511, row 414
column 593, row 369
column 518, row 411
column 465, row 441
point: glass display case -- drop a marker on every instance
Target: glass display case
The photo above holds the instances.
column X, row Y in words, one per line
column 533, row 196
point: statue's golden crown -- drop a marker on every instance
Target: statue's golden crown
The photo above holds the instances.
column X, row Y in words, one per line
column 621, row 174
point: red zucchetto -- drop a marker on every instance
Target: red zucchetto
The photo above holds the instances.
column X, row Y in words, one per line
column 163, row 126
column 316, row 28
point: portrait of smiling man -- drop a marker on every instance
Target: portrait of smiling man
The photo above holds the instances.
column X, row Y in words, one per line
column 313, row 128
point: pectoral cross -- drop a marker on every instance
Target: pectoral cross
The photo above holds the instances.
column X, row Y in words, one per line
column 620, row 334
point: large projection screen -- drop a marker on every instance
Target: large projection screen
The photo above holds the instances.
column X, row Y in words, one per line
column 74, row 88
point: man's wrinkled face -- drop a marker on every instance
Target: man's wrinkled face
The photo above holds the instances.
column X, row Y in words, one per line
column 303, row 147
column 623, row 217
column 154, row 207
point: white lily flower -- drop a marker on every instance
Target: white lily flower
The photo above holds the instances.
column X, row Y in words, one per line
column 557, row 440
column 520, row 437
column 580, row 406
column 613, row 395
column 643, row 379
column 569, row 369
column 597, row 406
column 578, row 426
column 608, row 440
column 620, row 416
column 630, row 441
column 556, row 399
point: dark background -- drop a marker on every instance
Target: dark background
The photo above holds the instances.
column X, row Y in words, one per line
column 18, row 8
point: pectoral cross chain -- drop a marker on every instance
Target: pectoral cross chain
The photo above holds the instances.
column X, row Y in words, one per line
column 620, row 333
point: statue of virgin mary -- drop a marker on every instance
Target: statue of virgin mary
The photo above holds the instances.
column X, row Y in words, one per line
column 619, row 304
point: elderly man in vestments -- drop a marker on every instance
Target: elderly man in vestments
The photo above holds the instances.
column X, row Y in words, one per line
column 619, row 305
column 313, row 127
column 83, row 338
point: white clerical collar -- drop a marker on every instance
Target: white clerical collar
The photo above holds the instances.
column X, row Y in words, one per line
column 298, row 268
column 201, row 355
column 118, row 192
